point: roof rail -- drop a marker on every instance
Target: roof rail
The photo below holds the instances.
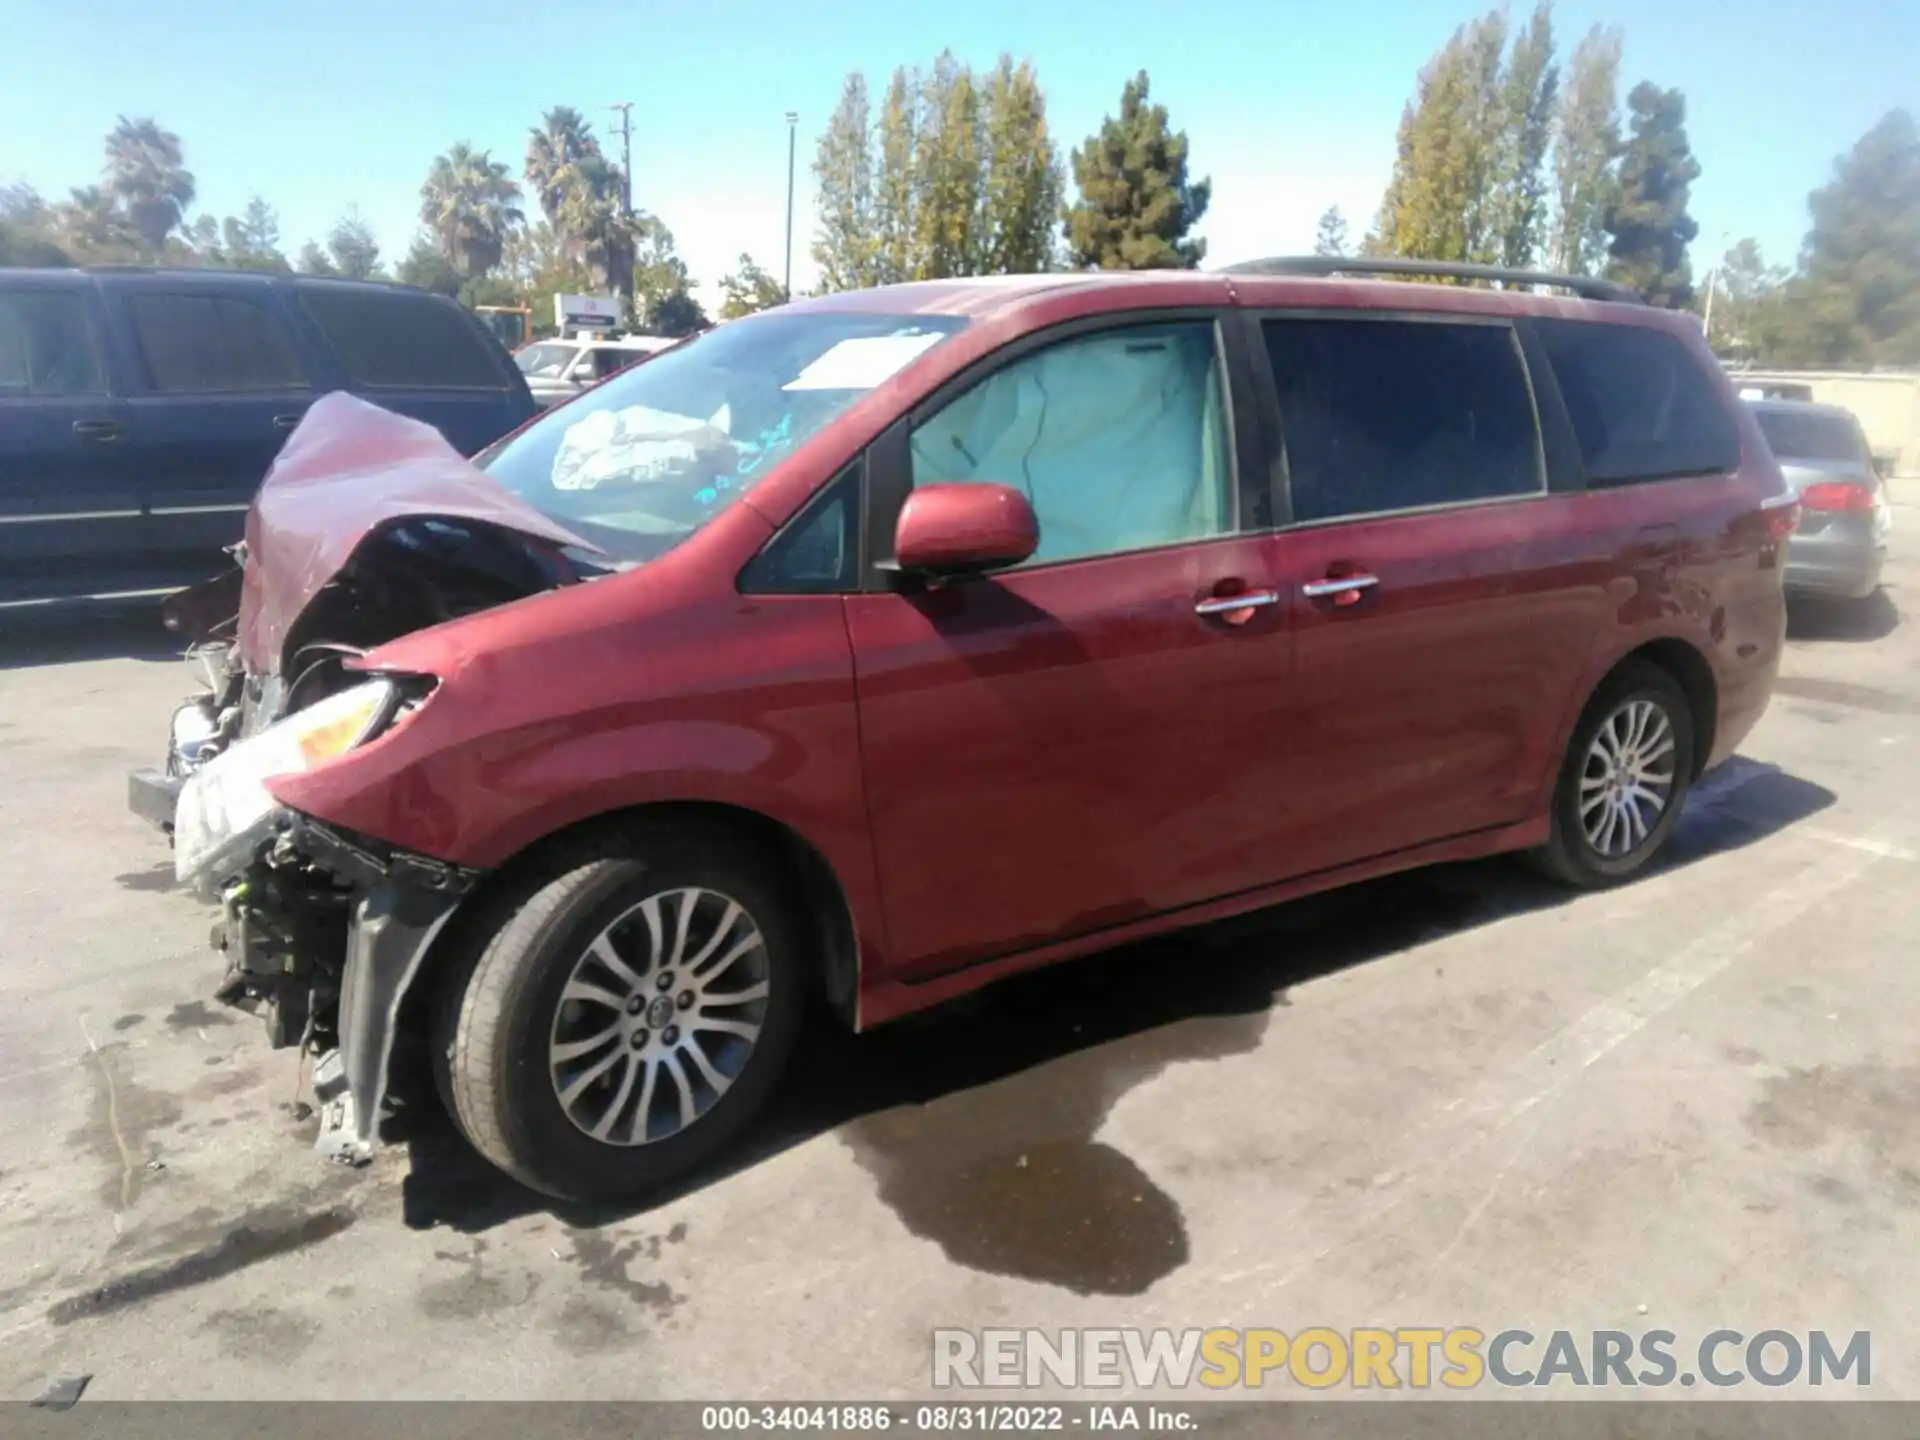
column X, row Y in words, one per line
column 1588, row 287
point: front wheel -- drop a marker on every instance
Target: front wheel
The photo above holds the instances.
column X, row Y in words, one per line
column 629, row 1016
column 1624, row 780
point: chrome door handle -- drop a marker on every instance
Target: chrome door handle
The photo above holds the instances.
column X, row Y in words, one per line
column 1314, row 589
column 1246, row 600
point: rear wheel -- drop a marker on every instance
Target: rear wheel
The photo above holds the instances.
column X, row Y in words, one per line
column 1624, row 779
column 627, row 1018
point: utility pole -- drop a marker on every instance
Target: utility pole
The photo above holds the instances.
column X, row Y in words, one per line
column 625, row 107
column 793, row 131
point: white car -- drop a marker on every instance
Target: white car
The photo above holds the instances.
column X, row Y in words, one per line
column 558, row 370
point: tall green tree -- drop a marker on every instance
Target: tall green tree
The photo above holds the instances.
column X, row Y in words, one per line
column 146, row 176
column 749, row 289
column 1586, row 143
column 1647, row 218
column 1856, row 299
column 251, row 240
column 846, row 240
column 947, row 173
column 352, row 247
column 1442, row 201
column 663, row 288
column 895, row 221
column 1529, row 93
column 470, row 204
column 26, row 229
column 425, row 264
column 1023, row 184
column 1742, row 295
column 314, row 260
column 1137, row 207
column 92, row 226
column 1330, row 235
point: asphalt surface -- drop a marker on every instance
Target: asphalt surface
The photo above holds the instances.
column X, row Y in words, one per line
column 1452, row 1098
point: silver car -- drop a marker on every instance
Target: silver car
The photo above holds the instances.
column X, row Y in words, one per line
column 1841, row 542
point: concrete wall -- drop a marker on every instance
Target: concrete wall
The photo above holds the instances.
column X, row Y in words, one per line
column 1888, row 406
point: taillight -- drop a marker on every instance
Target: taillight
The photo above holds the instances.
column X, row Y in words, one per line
column 1837, row 495
column 1781, row 519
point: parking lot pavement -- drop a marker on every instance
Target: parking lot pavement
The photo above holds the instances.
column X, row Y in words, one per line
column 1454, row 1098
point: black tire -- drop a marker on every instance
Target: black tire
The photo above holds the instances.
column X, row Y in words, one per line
column 497, row 1012
column 1569, row 855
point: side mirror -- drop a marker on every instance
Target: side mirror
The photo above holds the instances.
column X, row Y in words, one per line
column 964, row 529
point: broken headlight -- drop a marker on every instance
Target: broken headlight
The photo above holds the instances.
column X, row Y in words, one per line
column 225, row 810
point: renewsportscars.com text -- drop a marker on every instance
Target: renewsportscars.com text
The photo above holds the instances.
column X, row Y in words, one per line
column 1457, row 1358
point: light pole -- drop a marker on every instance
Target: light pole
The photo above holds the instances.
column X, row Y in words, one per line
column 793, row 131
column 625, row 109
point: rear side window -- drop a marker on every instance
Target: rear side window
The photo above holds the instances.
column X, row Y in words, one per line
column 1807, row 435
column 212, row 344
column 46, row 345
column 1641, row 407
column 1382, row 415
column 389, row 339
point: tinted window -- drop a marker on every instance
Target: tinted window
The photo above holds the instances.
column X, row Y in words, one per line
column 609, row 362
column 395, row 340
column 1641, row 406
column 46, row 345
column 1392, row 415
column 1809, row 435
column 204, row 343
column 816, row 555
column 1118, row 440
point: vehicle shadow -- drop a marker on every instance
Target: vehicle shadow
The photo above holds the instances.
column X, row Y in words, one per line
column 127, row 631
column 1873, row 618
column 978, row 1121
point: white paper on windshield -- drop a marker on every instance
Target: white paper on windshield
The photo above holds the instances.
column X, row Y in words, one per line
column 634, row 446
column 862, row 364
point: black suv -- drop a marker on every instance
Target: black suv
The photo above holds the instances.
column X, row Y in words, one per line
column 140, row 408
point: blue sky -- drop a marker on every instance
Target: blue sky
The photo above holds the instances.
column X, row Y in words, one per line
column 1290, row 106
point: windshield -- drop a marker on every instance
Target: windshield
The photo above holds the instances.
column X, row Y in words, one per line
column 1808, row 436
column 545, row 361
column 643, row 461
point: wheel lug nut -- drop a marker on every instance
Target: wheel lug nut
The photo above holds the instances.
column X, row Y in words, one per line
column 686, row 1000
column 635, row 1004
column 670, row 1035
column 638, row 1039
column 665, row 982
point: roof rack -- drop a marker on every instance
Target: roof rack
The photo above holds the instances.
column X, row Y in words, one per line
column 1588, row 287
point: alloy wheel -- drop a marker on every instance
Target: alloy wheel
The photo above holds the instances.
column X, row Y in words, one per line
column 1626, row 782
column 659, row 1016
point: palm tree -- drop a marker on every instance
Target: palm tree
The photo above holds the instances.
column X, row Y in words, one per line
column 146, row 174
column 469, row 202
column 592, row 219
column 556, row 147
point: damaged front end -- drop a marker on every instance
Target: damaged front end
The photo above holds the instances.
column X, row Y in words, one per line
column 322, row 931
column 369, row 527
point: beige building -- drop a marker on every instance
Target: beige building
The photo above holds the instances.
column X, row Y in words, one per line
column 1887, row 403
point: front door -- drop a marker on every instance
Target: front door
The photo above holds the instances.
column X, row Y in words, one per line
column 1080, row 741
column 1443, row 599
column 67, row 496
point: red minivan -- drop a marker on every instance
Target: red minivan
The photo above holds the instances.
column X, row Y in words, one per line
column 888, row 643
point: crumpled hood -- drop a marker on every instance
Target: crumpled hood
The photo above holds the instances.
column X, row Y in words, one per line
column 346, row 472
